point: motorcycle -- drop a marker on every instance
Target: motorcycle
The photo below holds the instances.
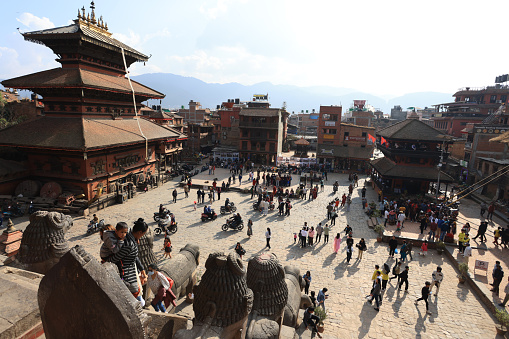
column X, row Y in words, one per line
column 205, row 217
column 231, row 223
column 256, row 206
column 13, row 211
column 158, row 216
column 95, row 226
column 162, row 225
column 231, row 208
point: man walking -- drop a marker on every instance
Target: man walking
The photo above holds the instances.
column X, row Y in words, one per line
column 437, row 278
column 481, row 232
column 497, row 275
column 320, row 298
column 393, row 244
column 403, row 276
column 491, row 209
column 319, row 231
column 326, row 234
column 424, row 296
column 174, row 194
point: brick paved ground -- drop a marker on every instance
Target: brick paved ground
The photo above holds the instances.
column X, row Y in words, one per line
column 456, row 313
column 470, row 212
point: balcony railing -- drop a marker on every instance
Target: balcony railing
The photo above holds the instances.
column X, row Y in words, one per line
column 411, row 153
column 271, row 125
column 468, row 145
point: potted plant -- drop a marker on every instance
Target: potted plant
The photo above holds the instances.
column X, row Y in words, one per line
column 322, row 314
column 379, row 228
column 440, row 247
column 503, row 318
column 463, row 268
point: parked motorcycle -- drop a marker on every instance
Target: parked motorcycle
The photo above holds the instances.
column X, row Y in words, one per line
column 95, row 226
column 205, row 217
column 231, row 208
column 256, row 206
column 158, row 216
column 162, row 226
column 231, row 223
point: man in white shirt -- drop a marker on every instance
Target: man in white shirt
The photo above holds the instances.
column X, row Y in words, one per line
column 467, row 253
column 437, row 278
column 401, row 218
column 386, row 214
column 304, row 235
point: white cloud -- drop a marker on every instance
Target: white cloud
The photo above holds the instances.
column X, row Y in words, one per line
column 214, row 8
column 34, row 22
column 132, row 39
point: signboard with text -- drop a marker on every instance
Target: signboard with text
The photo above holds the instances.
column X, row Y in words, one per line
column 330, row 123
column 481, row 265
column 349, row 138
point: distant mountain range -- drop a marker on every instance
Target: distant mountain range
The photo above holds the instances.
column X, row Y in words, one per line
column 179, row 90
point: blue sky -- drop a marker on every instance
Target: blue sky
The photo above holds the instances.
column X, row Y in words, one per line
column 381, row 47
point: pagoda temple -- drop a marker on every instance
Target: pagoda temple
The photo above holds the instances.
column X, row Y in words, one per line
column 90, row 137
column 412, row 152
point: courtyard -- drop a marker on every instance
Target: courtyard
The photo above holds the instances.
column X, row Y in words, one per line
column 456, row 313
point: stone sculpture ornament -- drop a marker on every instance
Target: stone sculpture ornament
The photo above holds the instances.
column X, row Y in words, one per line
column 43, row 242
column 222, row 300
column 81, row 298
column 182, row 269
column 296, row 299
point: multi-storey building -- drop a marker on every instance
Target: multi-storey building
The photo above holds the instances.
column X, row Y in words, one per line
column 471, row 105
column 262, row 132
column 342, row 146
column 90, row 137
column 195, row 114
column 412, row 152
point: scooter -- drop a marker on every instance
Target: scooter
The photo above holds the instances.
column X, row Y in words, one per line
column 162, row 225
column 230, row 223
column 95, row 226
column 231, row 208
column 205, row 217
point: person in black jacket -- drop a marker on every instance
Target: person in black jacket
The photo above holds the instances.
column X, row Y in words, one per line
column 393, row 244
column 497, row 274
column 424, row 296
column 481, row 232
column 403, row 277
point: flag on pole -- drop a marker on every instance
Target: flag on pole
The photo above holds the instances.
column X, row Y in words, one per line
column 383, row 141
column 371, row 138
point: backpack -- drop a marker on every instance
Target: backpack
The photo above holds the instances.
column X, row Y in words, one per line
column 393, row 268
column 387, row 269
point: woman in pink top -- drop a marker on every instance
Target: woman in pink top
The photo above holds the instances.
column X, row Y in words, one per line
column 337, row 243
column 311, row 235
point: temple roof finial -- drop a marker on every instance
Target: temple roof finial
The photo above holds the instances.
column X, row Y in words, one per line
column 79, row 14
column 92, row 19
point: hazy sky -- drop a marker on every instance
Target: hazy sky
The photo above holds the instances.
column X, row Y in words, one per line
column 381, row 47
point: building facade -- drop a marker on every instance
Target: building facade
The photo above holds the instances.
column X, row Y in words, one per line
column 90, row 138
column 262, row 133
column 412, row 151
column 342, row 146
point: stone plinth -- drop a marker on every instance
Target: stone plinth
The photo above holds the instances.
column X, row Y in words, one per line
column 10, row 240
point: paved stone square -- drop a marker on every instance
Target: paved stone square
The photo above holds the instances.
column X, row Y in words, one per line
column 456, row 313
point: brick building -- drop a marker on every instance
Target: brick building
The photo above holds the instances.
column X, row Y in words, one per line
column 342, row 146
column 195, row 113
column 262, row 133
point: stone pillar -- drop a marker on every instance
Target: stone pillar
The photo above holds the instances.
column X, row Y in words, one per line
column 10, row 240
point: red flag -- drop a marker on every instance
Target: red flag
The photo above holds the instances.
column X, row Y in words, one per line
column 371, row 138
column 383, row 141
